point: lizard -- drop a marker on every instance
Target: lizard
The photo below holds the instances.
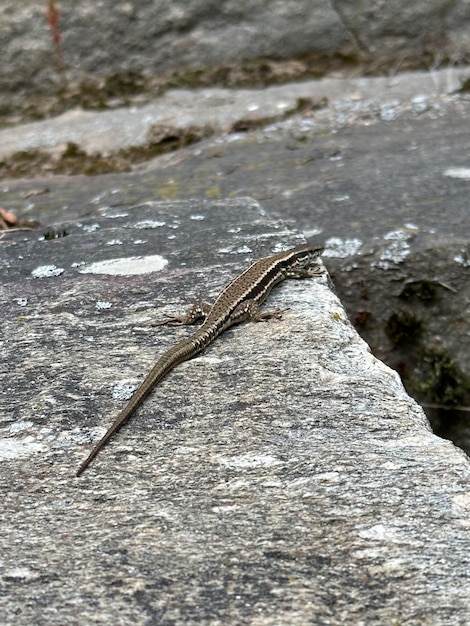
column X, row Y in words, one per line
column 238, row 302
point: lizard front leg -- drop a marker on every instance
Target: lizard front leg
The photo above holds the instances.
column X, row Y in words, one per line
column 301, row 272
column 249, row 310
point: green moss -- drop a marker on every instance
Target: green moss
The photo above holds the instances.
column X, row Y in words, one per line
column 302, row 105
column 425, row 290
column 465, row 88
column 440, row 378
column 74, row 160
column 163, row 139
column 169, row 191
column 126, row 83
column 213, row 192
column 120, row 88
column 403, row 326
column 100, row 92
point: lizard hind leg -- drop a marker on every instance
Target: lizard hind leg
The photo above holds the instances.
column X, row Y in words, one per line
column 199, row 311
column 275, row 314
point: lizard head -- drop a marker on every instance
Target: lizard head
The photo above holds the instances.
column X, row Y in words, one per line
column 305, row 255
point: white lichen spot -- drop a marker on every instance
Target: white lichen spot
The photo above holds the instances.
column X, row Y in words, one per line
column 379, row 532
column 97, row 199
column 458, row 172
column 20, row 574
column 462, row 259
column 147, row 224
column 311, row 232
column 244, row 250
column 462, row 500
column 124, row 389
column 91, row 228
column 390, row 111
column 102, row 305
column 340, row 248
column 14, row 448
column 420, row 103
column 250, row 460
column 232, row 138
column 396, row 251
column 19, row 427
column 128, row 266
column 114, row 216
column 47, row 271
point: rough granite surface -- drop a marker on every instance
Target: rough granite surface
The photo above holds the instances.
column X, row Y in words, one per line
column 282, row 477
column 379, row 172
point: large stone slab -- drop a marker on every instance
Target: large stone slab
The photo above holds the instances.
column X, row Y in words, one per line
column 329, row 102
column 381, row 172
column 127, row 41
column 284, row 476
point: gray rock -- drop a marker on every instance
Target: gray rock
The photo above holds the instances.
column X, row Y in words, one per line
column 380, row 174
column 390, row 28
column 150, row 38
column 284, row 476
column 339, row 102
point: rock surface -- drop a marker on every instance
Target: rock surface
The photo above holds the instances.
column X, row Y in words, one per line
column 296, row 110
column 282, row 476
column 127, row 41
column 379, row 172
